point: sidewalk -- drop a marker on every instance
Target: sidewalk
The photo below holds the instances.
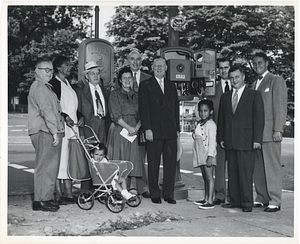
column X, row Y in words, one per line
column 183, row 219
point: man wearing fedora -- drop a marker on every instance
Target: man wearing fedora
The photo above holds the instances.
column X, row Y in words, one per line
column 92, row 103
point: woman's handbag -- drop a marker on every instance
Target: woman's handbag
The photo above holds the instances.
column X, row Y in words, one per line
column 78, row 168
column 141, row 138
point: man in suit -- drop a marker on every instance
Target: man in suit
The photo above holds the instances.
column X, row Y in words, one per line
column 268, row 170
column 159, row 111
column 92, row 104
column 240, row 127
column 221, row 87
column 134, row 59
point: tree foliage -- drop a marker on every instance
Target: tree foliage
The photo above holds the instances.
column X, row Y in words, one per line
column 41, row 32
column 235, row 31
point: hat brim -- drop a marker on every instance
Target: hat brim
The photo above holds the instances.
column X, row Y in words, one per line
column 86, row 71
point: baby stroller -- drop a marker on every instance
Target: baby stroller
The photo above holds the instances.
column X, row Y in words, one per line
column 102, row 175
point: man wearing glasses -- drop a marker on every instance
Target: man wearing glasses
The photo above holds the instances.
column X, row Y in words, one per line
column 46, row 130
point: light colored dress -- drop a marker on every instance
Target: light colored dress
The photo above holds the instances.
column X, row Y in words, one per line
column 205, row 143
column 69, row 105
column 125, row 105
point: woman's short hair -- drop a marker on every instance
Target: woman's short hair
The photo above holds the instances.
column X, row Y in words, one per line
column 122, row 71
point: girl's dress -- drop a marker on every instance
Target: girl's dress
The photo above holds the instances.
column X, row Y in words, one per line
column 124, row 105
column 205, row 143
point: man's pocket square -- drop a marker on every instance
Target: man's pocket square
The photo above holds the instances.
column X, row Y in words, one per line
column 267, row 89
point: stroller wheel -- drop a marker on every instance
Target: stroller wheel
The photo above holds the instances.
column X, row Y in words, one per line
column 85, row 200
column 103, row 198
column 115, row 202
column 135, row 201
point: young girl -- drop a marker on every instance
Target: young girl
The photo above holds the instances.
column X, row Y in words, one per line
column 205, row 151
column 99, row 155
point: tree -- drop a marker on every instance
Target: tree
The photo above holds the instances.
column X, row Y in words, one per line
column 41, row 32
column 235, row 31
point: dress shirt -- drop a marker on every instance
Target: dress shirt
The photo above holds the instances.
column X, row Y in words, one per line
column 138, row 76
column 161, row 83
column 239, row 91
column 99, row 90
column 259, row 81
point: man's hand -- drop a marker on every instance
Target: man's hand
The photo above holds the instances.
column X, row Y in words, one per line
column 222, row 144
column 149, row 135
column 69, row 121
column 277, row 136
column 55, row 140
column 256, row 146
column 80, row 122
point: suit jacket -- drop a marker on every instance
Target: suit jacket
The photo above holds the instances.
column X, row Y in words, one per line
column 241, row 129
column 144, row 76
column 86, row 106
column 159, row 112
column 216, row 100
column 274, row 94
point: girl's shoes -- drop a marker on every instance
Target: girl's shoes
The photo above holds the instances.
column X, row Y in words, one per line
column 200, row 202
column 207, row 206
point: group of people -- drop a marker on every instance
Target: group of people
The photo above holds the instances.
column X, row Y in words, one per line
column 141, row 104
column 242, row 126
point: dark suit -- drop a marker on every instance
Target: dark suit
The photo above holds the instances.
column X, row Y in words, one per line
column 274, row 94
column 159, row 112
column 86, row 107
column 239, row 131
column 220, row 183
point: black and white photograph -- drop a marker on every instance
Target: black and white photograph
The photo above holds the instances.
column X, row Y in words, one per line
column 149, row 121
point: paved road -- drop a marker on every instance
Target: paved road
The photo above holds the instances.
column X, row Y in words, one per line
column 21, row 159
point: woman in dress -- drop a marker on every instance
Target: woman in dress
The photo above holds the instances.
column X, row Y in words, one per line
column 69, row 104
column 123, row 109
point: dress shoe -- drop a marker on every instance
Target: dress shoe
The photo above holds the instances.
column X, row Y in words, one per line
column 272, row 209
column 156, row 200
column 247, row 209
column 146, row 194
column 228, row 205
column 259, row 204
column 44, row 206
column 55, row 203
column 218, row 201
column 68, row 200
column 170, row 200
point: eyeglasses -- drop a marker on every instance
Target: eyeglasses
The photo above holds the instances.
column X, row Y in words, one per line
column 47, row 70
column 93, row 74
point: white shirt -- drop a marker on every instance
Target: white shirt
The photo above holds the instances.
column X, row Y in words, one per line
column 223, row 84
column 138, row 76
column 259, row 81
column 239, row 91
column 98, row 88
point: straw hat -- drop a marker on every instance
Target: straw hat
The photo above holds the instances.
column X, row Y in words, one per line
column 90, row 65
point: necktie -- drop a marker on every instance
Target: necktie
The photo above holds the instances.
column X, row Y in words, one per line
column 260, row 77
column 234, row 101
column 226, row 86
column 161, row 84
column 135, row 86
column 100, row 110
